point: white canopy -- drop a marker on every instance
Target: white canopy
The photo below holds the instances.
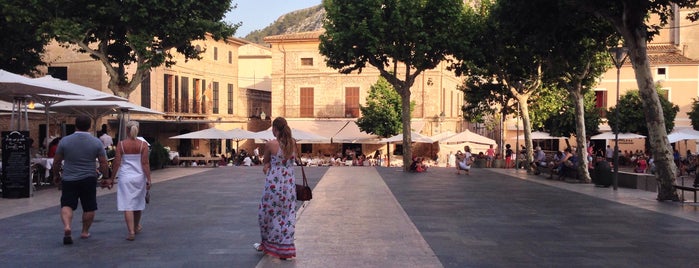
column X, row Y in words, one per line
column 85, row 92
column 611, row 136
column 468, row 136
column 13, row 85
column 351, row 133
column 414, row 137
column 299, row 135
column 209, row 133
column 683, row 135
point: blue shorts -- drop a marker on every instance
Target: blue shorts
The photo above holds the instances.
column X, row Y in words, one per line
column 85, row 190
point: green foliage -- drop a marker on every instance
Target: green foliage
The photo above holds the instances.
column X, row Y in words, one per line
column 158, row 156
column 694, row 113
column 561, row 123
column 381, row 115
column 284, row 24
column 401, row 39
column 144, row 32
column 22, row 43
column 379, row 33
column 547, row 103
column 632, row 115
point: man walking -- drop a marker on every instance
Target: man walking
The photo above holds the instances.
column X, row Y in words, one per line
column 75, row 159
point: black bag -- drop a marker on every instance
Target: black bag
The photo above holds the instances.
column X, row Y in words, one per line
column 303, row 191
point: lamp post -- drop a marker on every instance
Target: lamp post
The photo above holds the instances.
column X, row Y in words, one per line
column 619, row 55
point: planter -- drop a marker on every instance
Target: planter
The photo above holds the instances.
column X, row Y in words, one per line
column 499, row 163
column 479, row 163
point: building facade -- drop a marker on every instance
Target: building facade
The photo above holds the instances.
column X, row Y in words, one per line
column 305, row 89
column 192, row 94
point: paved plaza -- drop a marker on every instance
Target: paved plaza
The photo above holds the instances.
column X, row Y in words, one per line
column 366, row 217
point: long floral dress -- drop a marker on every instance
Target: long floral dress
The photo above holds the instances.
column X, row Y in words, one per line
column 277, row 211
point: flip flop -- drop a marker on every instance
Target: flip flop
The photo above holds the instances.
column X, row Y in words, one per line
column 67, row 238
column 85, row 236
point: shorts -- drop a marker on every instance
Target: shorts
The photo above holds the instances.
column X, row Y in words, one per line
column 85, row 190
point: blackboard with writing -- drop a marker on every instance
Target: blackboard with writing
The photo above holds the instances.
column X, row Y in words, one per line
column 15, row 164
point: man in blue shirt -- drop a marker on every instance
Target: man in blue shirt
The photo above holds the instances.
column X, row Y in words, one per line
column 75, row 168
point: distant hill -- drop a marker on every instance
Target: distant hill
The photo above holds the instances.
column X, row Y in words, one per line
column 304, row 20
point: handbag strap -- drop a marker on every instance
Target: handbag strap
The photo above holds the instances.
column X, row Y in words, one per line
column 303, row 172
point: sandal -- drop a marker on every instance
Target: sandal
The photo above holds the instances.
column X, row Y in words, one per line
column 67, row 238
column 131, row 237
column 139, row 229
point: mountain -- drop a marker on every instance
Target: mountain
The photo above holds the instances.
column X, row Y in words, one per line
column 304, row 20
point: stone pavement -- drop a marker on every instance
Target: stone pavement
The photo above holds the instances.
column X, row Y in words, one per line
column 367, row 217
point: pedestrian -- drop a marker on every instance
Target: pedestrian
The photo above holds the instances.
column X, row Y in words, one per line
column 74, row 169
column 451, row 159
column 490, row 154
column 464, row 162
column 132, row 167
column 508, row 156
column 277, row 211
column 107, row 140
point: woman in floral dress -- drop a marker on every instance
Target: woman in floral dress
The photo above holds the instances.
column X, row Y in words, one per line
column 277, row 210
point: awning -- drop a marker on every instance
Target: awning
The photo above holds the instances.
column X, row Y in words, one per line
column 341, row 130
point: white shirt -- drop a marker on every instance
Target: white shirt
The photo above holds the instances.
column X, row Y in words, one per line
column 247, row 161
column 106, row 140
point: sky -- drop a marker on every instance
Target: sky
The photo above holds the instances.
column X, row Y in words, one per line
column 258, row 14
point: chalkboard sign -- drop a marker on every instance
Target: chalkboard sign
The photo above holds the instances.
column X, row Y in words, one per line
column 15, row 164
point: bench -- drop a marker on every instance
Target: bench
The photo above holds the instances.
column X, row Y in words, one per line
column 687, row 188
column 188, row 159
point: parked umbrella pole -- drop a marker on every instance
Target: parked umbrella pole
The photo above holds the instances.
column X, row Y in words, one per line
column 388, row 154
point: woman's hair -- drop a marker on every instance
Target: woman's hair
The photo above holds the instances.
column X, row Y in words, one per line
column 283, row 134
column 132, row 129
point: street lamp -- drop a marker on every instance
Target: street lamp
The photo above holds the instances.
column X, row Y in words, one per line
column 619, row 55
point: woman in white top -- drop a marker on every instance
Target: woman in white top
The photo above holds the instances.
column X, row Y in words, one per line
column 132, row 168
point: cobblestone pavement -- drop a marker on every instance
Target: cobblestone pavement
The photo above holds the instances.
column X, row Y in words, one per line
column 367, row 217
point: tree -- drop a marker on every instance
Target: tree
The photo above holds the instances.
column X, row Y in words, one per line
column 630, row 19
column 22, row 44
column 145, row 33
column 632, row 118
column 563, row 122
column 382, row 114
column 411, row 35
column 509, row 59
column 694, row 114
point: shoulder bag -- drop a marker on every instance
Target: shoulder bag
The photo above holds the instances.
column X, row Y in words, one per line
column 303, row 191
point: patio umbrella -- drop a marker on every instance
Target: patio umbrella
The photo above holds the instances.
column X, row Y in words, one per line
column 205, row 134
column 611, row 136
column 414, row 137
column 443, row 135
column 468, row 136
column 19, row 89
column 299, row 135
column 96, row 109
column 237, row 134
column 85, row 93
column 350, row 133
column 240, row 134
column 683, row 135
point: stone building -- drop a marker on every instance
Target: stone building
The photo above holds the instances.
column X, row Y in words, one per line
column 313, row 96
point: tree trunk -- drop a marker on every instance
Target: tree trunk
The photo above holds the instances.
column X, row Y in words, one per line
column 580, row 132
column 523, row 99
column 405, row 117
column 666, row 169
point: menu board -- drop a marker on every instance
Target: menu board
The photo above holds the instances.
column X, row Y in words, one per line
column 15, row 164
